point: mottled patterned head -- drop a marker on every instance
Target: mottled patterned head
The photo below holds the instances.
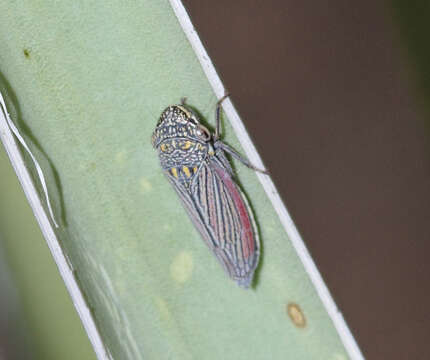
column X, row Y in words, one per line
column 177, row 121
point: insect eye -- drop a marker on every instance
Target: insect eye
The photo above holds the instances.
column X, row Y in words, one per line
column 192, row 120
column 204, row 133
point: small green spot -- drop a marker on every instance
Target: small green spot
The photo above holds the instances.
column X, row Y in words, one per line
column 167, row 228
column 26, row 53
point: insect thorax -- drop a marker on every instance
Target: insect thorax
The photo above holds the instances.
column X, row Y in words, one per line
column 181, row 157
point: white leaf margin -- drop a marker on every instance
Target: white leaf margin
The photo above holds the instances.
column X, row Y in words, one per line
column 344, row 333
column 66, row 272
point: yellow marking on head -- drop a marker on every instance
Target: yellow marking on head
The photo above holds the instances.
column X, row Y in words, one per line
column 187, row 144
column 195, row 169
column 174, row 172
column 186, row 170
column 211, row 153
column 163, row 147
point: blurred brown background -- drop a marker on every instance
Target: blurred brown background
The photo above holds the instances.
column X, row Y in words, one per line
column 335, row 96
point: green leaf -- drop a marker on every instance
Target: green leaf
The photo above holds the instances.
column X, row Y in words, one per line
column 86, row 82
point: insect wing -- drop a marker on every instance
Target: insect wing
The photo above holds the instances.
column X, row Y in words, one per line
column 194, row 211
column 219, row 211
column 231, row 219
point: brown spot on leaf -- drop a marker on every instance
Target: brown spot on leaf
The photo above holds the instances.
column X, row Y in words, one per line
column 26, row 53
column 296, row 315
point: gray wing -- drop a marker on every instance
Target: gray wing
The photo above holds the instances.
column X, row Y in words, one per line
column 219, row 210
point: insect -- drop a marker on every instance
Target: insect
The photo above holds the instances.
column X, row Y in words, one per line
column 194, row 161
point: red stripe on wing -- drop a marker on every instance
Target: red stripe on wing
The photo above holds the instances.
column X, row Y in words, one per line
column 247, row 233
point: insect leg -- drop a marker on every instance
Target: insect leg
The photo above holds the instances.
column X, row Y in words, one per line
column 229, row 150
column 218, row 116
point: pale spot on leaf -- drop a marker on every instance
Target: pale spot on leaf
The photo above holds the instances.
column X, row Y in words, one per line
column 145, row 185
column 182, row 267
column 339, row 356
column 163, row 308
column 121, row 156
column 167, row 228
